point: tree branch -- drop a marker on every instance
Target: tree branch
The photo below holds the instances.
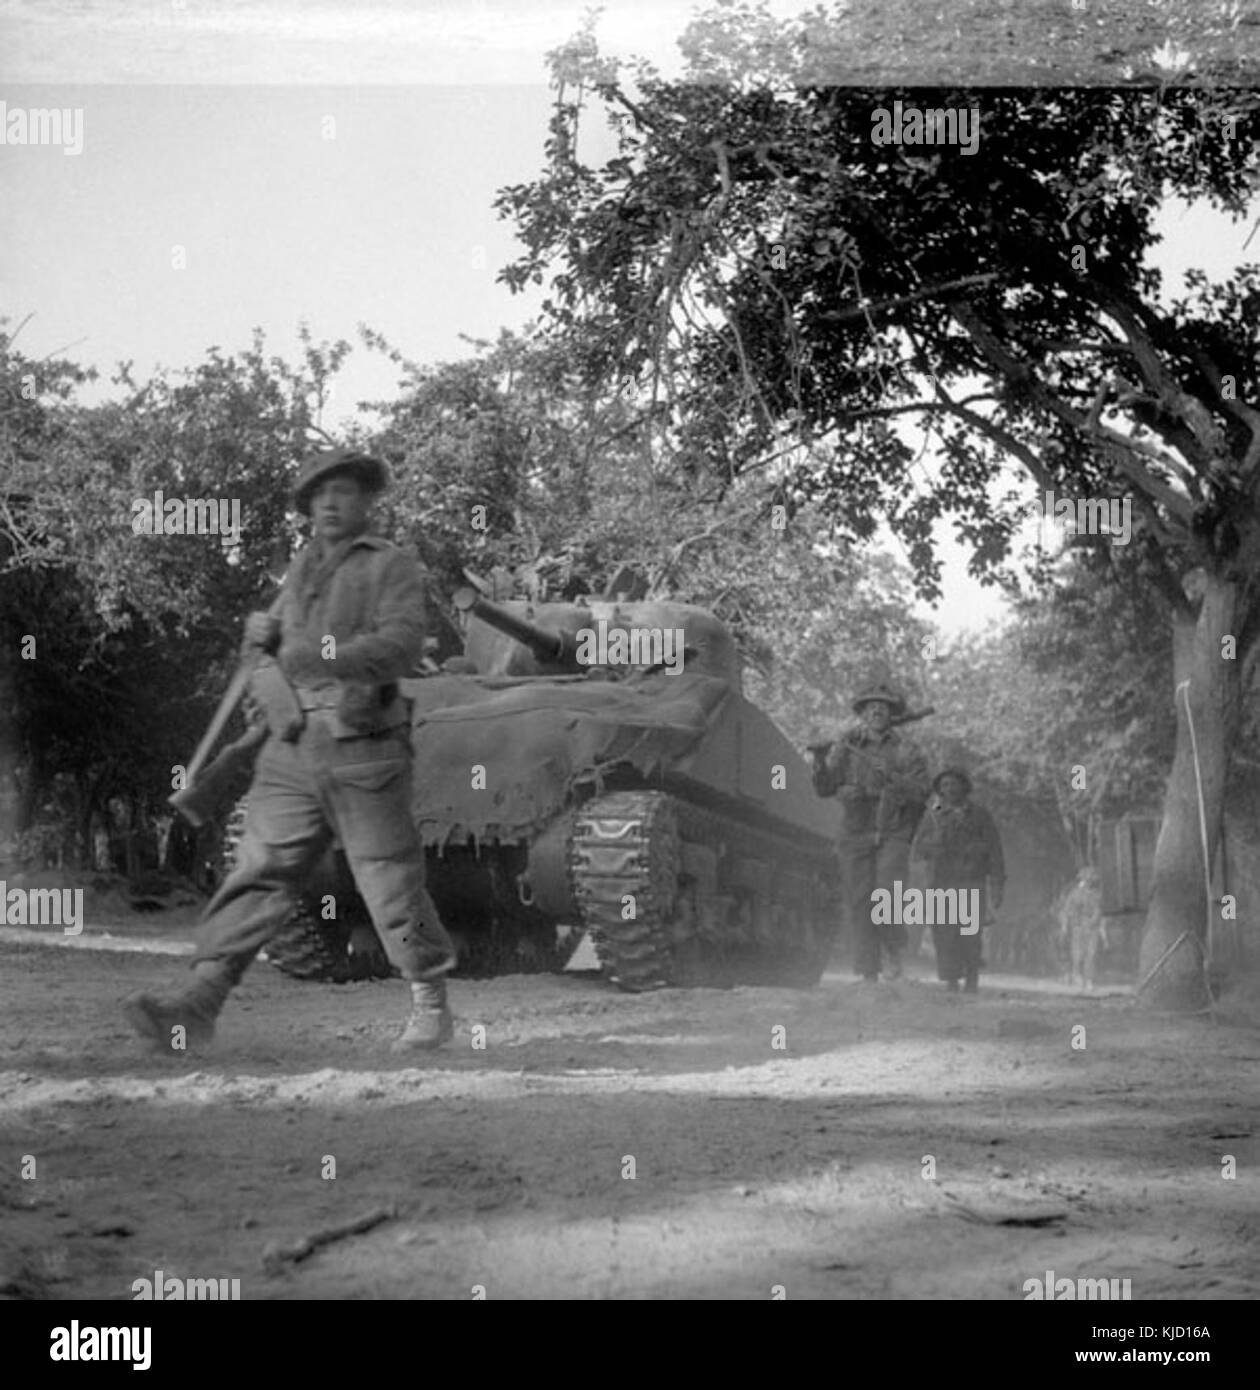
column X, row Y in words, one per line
column 1018, row 370
column 1171, row 395
column 1246, row 414
column 866, row 309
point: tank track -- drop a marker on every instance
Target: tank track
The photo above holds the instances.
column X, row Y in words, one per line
column 773, row 927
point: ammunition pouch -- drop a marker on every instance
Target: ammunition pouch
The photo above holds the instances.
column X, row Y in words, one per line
column 825, row 783
column 829, row 779
column 352, row 709
column 363, row 706
column 270, row 689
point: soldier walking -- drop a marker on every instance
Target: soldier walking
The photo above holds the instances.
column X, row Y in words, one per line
column 881, row 779
column 337, row 760
column 1082, row 931
column 959, row 845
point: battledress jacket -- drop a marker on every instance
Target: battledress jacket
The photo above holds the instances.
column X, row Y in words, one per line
column 874, row 812
column 959, row 847
column 370, row 597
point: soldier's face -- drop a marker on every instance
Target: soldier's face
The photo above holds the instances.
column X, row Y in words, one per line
column 953, row 790
column 876, row 715
column 339, row 507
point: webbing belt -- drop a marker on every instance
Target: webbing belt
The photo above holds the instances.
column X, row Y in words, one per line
column 328, row 697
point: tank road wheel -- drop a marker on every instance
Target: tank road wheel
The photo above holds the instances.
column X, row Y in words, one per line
column 625, row 862
column 694, row 959
column 781, row 930
column 791, row 948
column 801, row 963
column 307, row 947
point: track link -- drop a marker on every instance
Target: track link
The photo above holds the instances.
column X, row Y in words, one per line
column 623, row 858
column 764, row 913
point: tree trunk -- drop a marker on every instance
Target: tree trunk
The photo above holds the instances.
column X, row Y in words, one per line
column 1170, row 969
column 34, row 786
column 81, row 834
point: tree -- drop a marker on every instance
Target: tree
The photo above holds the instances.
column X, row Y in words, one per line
column 117, row 644
column 508, row 460
column 1074, row 681
column 755, row 260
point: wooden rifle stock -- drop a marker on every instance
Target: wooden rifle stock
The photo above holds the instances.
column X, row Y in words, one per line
column 820, row 749
column 198, row 802
column 198, row 797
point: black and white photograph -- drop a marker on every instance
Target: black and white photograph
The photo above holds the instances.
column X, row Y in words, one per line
column 630, row 665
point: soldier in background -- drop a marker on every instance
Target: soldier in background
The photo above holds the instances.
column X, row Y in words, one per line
column 959, row 846
column 337, row 759
column 1082, row 932
column 881, row 780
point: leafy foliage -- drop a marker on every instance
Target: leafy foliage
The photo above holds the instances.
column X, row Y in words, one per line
column 117, row 644
column 754, row 262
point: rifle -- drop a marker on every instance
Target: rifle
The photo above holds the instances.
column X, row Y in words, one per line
column 202, row 792
column 825, row 783
column 821, row 749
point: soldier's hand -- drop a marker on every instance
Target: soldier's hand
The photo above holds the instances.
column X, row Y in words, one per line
column 304, row 660
column 836, row 761
column 262, row 631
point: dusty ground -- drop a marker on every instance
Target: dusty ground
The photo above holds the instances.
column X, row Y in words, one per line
column 507, row 1167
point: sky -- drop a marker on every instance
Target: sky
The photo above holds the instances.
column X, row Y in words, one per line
column 270, row 164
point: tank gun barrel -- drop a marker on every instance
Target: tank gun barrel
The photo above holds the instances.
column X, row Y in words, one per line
column 547, row 644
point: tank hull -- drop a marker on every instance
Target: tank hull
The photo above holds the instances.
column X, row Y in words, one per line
column 529, row 772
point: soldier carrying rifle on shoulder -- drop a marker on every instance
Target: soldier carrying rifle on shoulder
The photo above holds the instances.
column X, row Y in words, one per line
column 881, row 780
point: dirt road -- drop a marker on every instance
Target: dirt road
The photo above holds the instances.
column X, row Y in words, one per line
column 683, row 1144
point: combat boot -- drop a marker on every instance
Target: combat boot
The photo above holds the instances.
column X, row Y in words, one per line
column 430, row 1023
column 194, row 1009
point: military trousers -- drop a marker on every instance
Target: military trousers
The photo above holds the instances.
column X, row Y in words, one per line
column 957, row 953
column 957, row 956
column 303, row 793
column 869, row 866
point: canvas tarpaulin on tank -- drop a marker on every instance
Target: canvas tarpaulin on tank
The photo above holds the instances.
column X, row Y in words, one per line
column 535, row 739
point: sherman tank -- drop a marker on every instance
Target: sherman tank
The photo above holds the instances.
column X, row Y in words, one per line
column 594, row 768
